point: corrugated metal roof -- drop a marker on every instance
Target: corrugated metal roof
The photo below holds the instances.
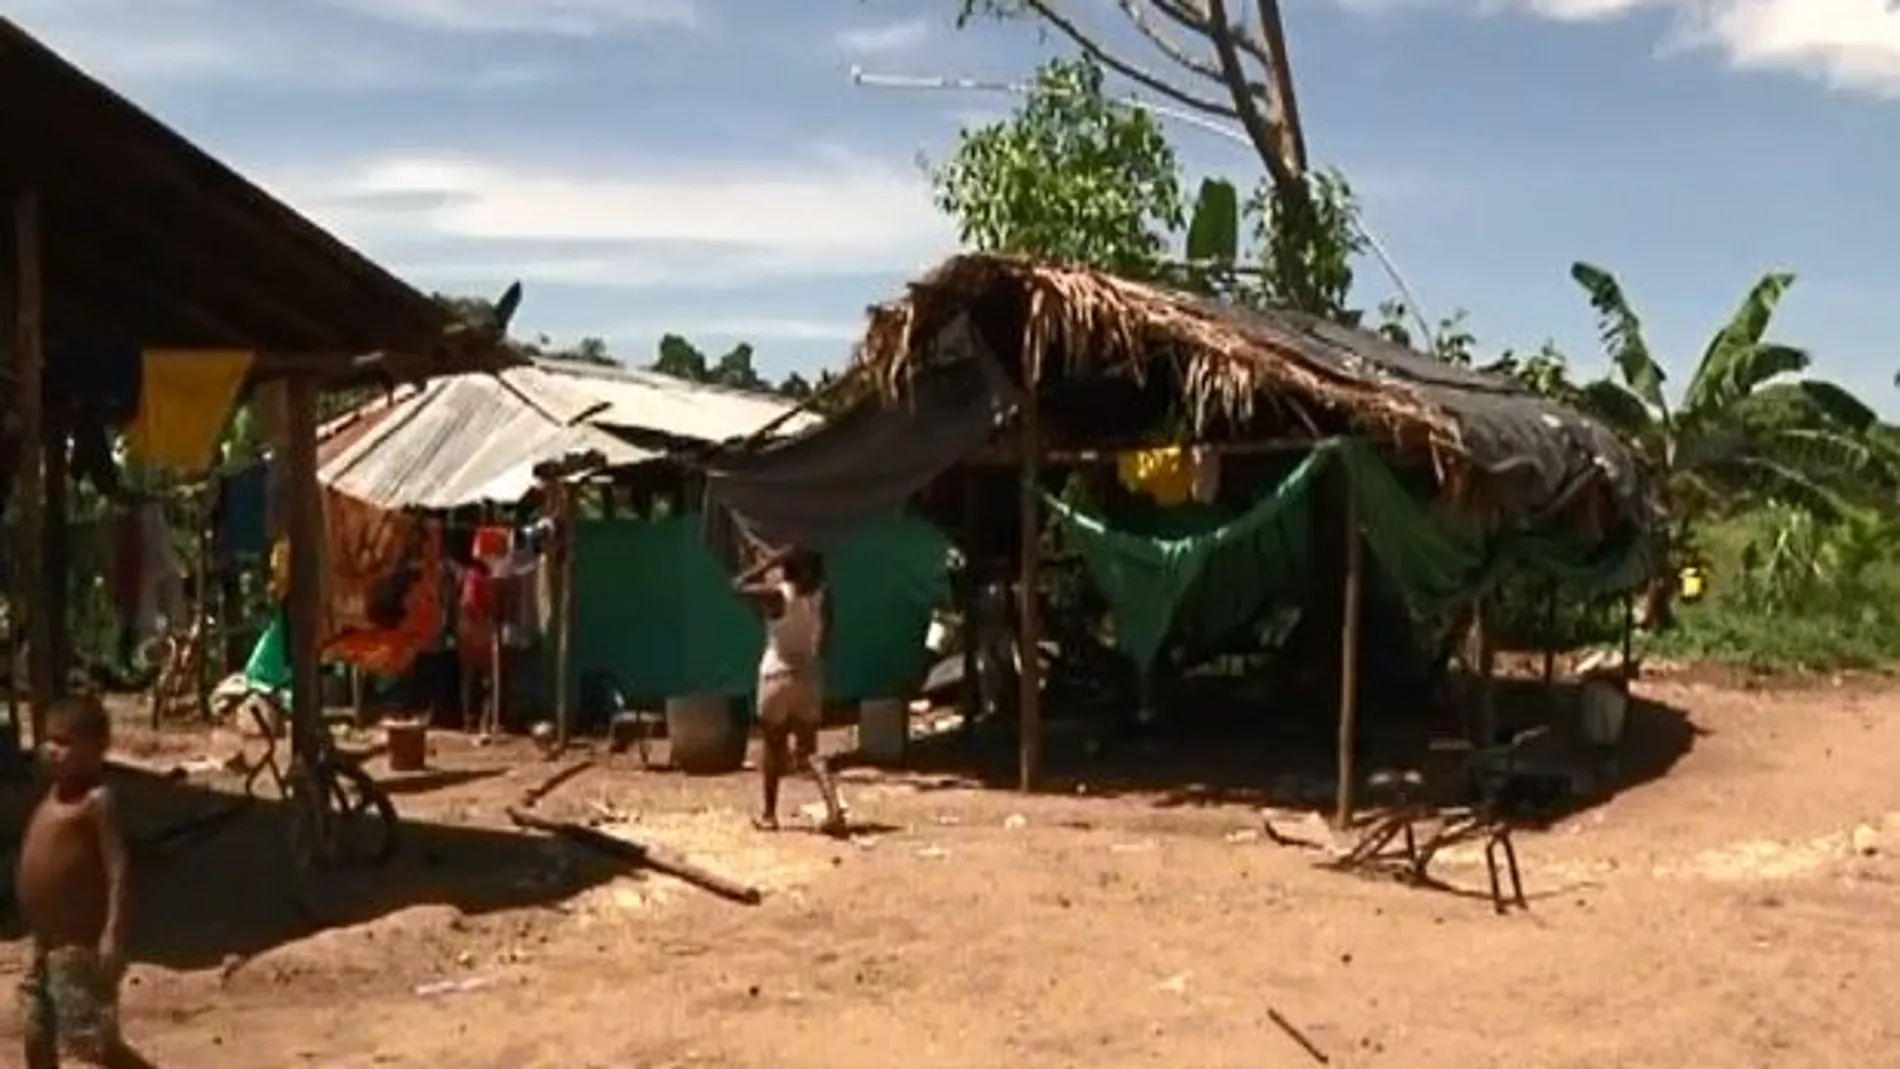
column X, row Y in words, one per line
column 467, row 439
column 652, row 403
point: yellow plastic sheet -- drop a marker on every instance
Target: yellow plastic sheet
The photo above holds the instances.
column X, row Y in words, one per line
column 184, row 402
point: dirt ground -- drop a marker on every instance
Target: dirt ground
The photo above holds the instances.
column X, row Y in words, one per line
column 1735, row 907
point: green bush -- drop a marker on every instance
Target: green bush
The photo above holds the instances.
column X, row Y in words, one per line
column 1788, row 590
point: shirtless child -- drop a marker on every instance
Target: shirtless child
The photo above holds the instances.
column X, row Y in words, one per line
column 71, row 887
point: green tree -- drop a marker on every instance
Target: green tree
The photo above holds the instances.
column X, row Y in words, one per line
column 1545, row 370
column 1717, row 448
column 735, row 370
column 1070, row 177
column 680, row 359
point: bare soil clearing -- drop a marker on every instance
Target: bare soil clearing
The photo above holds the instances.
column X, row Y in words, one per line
column 1741, row 909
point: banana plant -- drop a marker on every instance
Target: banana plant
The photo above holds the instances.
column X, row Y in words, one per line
column 1714, row 448
column 1213, row 236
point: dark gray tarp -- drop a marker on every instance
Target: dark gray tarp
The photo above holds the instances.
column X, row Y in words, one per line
column 1536, row 454
column 812, row 489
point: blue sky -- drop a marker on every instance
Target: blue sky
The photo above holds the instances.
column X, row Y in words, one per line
column 707, row 167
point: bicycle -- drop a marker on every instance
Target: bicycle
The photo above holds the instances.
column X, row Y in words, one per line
column 339, row 815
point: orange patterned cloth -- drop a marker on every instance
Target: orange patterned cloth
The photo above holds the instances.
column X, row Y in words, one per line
column 371, row 550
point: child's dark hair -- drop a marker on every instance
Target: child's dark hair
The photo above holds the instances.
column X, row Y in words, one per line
column 84, row 716
column 804, row 569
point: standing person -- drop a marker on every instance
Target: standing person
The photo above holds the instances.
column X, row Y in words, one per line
column 474, row 644
column 71, row 887
column 789, row 588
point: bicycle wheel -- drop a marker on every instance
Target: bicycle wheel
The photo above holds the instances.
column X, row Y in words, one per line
column 364, row 817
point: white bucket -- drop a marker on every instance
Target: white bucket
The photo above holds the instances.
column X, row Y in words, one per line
column 941, row 636
column 1604, row 708
column 883, row 729
column 703, row 735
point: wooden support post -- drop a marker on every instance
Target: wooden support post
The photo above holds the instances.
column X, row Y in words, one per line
column 1349, row 663
column 1029, row 631
column 203, row 618
column 563, row 497
column 1629, row 643
column 55, row 550
column 55, row 555
column 970, row 693
column 304, row 520
column 30, row 485
column 1550, row 641
column 496, row 651
column 1486, row 668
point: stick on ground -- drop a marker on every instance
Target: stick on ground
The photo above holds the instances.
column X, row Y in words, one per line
column 1297, row 1036
column 641, row 855
column 533, row 795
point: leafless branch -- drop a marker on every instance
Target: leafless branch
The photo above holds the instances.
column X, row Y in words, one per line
column 1046, row 10
column 1260, row 129
column 1191, row 16
column 1165, row 43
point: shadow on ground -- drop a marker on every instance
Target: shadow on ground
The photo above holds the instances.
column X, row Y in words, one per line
column 215, row 868
column 1227, row 754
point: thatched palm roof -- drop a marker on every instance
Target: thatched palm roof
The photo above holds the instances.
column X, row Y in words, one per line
column 1235, row 365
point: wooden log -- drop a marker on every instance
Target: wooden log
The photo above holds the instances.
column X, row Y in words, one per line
column 641, row 855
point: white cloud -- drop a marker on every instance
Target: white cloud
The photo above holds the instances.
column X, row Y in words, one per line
column 1846, row 44
column 136, row 42
column 563, row 18
column 722, row 225
column 149, row 42
column 886, row 38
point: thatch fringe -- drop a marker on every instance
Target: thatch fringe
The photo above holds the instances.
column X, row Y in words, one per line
column 1097, row 324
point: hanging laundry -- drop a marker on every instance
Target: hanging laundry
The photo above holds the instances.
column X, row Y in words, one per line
column 280, row 571
column 184, row 404
column 148, row 578
column 544, row 600
column 241, row 512
column 490, row 544
column 164, row 569
column 475, row 618
column 518, row 604
column 390, row 652
column 1171, row 475
column 1162, row 474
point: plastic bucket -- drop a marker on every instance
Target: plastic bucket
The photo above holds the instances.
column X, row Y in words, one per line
column 1604, row 708
column 408, row 745
column 705, row 736
column 883, row 729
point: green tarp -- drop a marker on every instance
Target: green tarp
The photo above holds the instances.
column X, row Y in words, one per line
column 653, row 607
column 1199, row 571
column 269, row 666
